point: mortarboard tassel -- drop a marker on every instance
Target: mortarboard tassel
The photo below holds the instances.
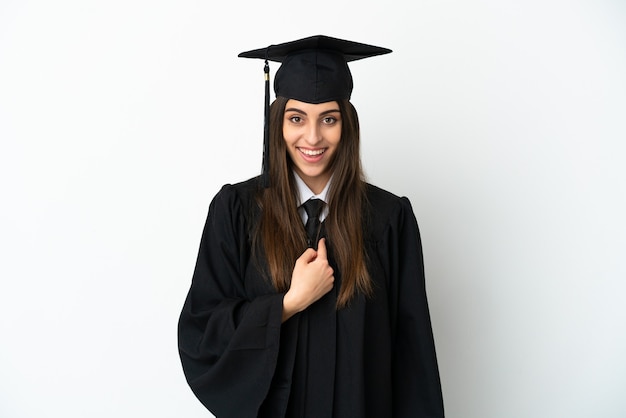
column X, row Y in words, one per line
column 265, row 179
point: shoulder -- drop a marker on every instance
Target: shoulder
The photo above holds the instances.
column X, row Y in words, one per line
column 236, row 198
column 386, row 210
column 240, row 192
column 382, row 202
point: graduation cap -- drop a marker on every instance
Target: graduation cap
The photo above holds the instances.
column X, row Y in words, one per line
column 313, row 70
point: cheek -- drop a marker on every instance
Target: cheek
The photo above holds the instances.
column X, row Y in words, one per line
column 288, row 135
column 335, row 137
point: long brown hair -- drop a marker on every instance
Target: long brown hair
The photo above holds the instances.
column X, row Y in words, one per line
column 280, row 232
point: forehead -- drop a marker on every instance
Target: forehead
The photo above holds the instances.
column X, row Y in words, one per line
column 297, row 105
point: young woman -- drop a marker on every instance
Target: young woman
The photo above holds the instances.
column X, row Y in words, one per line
column 271, row 328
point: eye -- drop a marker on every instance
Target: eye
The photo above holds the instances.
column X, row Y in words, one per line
column 294, row 119
column 329, row 120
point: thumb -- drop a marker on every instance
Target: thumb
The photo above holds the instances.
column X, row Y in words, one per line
column 308, row 255
column 321, row 249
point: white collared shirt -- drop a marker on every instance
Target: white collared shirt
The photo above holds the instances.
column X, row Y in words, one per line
column 304, row 194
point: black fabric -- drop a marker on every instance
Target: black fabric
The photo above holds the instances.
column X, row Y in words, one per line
column 315, row 69
column 374, row 358
column 313, row 208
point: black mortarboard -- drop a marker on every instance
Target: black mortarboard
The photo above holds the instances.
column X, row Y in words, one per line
column 313, row 70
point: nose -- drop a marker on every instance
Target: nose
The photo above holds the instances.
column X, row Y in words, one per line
column 313, row 134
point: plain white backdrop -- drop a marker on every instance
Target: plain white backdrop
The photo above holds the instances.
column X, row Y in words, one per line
column 504, row 122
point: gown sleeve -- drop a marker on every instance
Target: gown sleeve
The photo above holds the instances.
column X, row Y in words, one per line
column 228, row 343
column 416, row 382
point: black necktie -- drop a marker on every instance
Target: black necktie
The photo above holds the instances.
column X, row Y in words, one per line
column 313, row 208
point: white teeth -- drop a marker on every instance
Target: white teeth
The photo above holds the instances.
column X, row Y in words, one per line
column 312, row 152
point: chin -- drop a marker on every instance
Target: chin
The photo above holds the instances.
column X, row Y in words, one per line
column 313, row 174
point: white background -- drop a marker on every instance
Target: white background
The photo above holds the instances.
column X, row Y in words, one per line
column 504, row 122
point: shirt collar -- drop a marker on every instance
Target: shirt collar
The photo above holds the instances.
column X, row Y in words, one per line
column 304, row 194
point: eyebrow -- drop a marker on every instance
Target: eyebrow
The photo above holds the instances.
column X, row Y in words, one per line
column 293, row 109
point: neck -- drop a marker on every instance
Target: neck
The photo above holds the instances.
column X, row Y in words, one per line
column 316, row 184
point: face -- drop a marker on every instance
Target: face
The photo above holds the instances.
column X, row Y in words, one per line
column 312, row 133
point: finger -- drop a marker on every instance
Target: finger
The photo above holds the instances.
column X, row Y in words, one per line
column 308, row 255
column 321, row 249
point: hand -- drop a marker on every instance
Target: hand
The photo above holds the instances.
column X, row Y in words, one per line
column 311, row 279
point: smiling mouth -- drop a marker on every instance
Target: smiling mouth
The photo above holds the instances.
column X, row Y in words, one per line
column 312, row 152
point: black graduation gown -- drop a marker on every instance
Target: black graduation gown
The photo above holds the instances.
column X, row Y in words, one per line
column 375, row 358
